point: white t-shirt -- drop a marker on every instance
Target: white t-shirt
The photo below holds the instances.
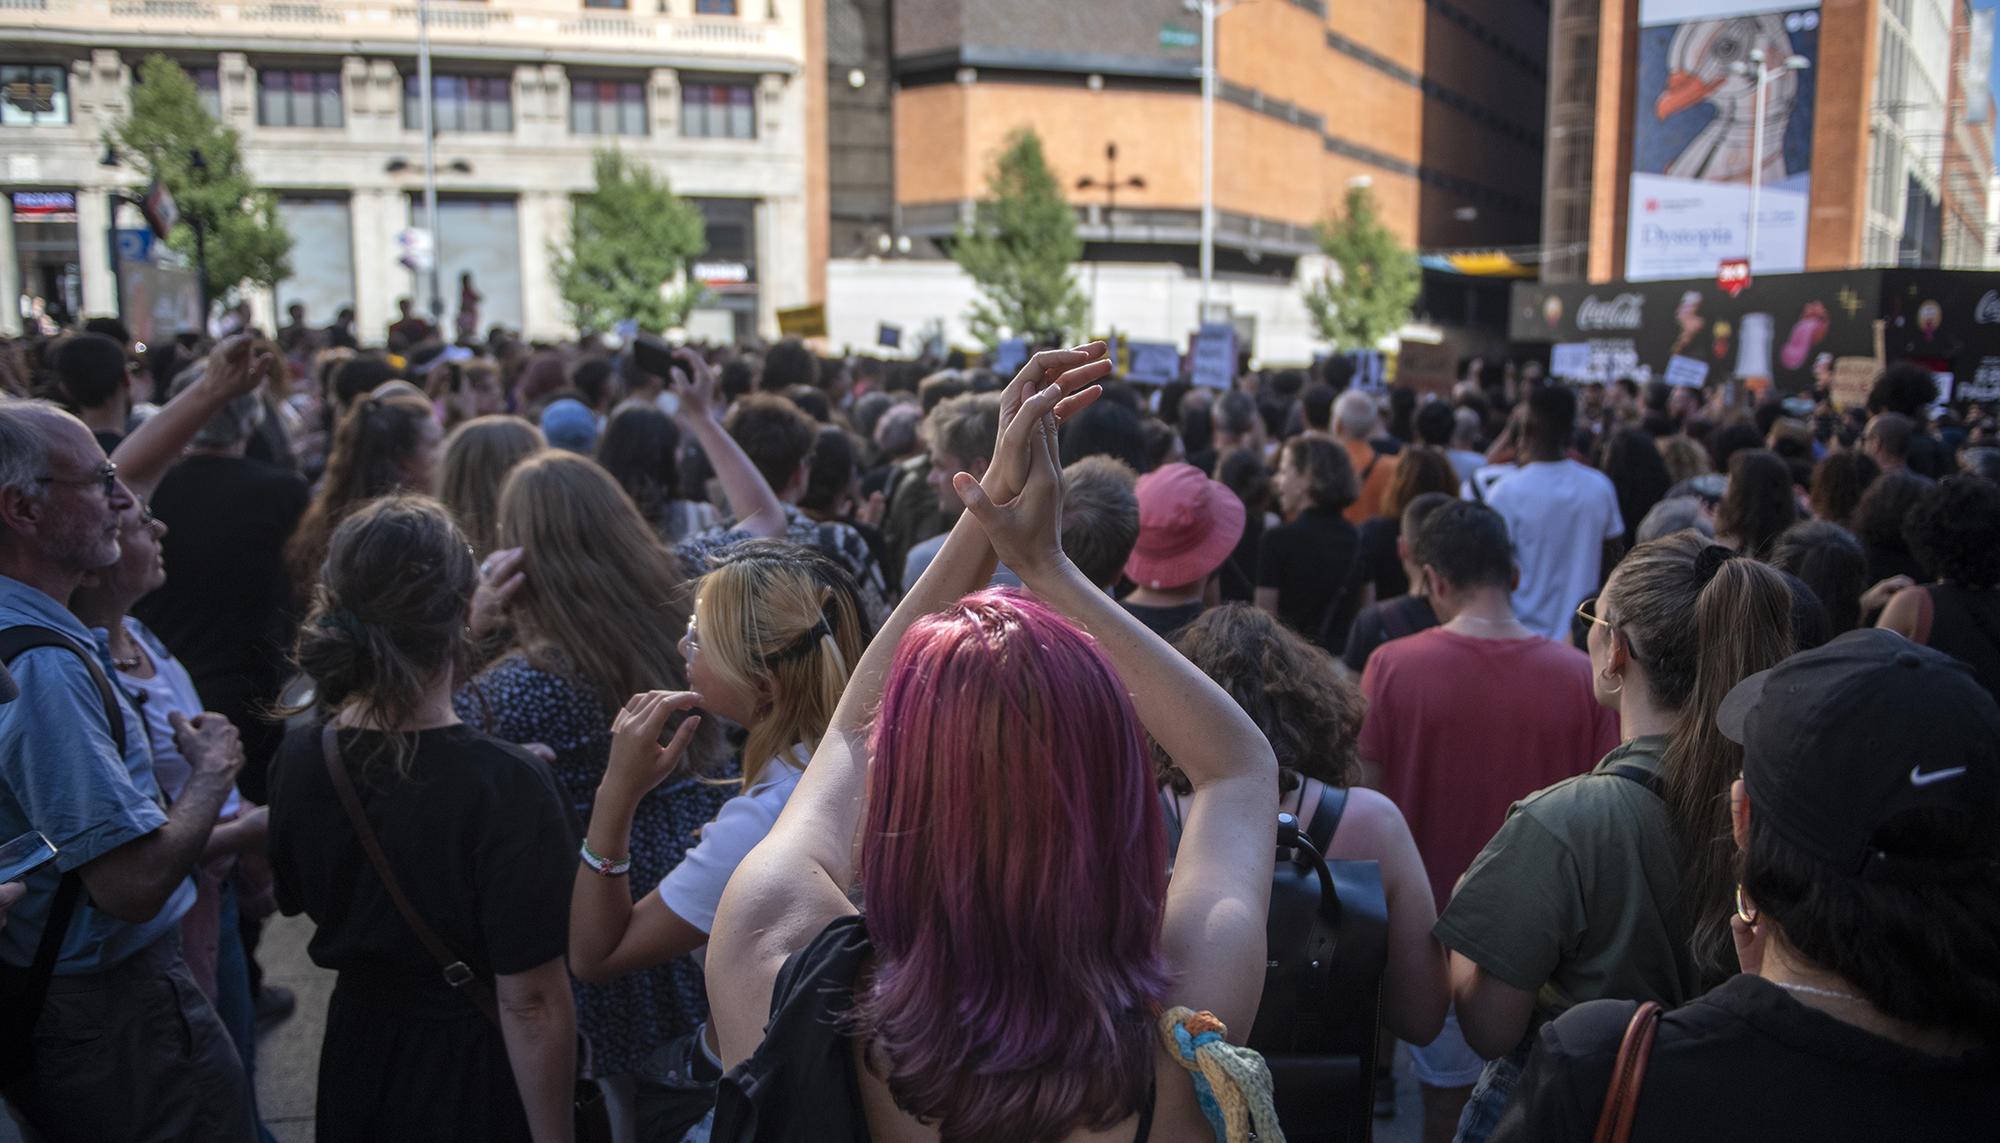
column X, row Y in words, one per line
column 170, row 689
column 1558, row 513
column 693, row 889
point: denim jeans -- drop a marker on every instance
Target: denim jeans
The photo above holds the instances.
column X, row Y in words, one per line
column 1492, row 1093
column 232, row 996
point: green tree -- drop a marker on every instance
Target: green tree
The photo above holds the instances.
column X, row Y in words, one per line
column 1020, row 250
column 170, row 137
column 1374, row 280
column 628, row 240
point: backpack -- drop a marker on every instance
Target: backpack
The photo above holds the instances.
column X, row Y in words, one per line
column 1327, row 938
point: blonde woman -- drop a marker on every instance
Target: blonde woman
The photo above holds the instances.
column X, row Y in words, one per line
column 776, row 629
column 601, row 607
column 478, row 455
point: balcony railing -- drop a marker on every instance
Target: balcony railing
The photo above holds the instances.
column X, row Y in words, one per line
column 530, row 24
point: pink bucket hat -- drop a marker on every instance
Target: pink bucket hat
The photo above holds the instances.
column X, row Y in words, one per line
column 1188, row 524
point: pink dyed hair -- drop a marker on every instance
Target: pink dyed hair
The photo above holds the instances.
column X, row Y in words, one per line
column 1014, row 870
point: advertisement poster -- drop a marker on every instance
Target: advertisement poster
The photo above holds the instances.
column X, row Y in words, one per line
column 1695, row 141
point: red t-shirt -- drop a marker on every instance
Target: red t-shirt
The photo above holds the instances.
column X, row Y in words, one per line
column 1463, row 728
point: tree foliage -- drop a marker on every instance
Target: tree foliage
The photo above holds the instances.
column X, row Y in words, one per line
column 1020, row 250
column 629, row 239
column 1374, row 281
column 169, row 136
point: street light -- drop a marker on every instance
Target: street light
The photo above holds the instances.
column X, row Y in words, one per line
column 1764, row 75
column 1110, row 184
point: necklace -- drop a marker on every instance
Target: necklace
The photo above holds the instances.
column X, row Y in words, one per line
column 1828, row 993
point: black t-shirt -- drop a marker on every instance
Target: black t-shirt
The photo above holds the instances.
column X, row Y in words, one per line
column 227, row 607
column 1747, row 1062
column 477, row 835
column 1375, row 559
column 1380, row 622
column 1238, row 574
column 1308, row 561
column 1166, row 622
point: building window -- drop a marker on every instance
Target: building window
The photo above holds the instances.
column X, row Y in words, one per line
column 298, row 98
column 33, row 95
column 462, row 103
column 715, row 7
column 718, row 110
column 208, row 89
column 620, row 5
column 607, row 107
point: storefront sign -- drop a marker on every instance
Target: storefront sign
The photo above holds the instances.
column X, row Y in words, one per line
column 722, row 273
column 44, row 206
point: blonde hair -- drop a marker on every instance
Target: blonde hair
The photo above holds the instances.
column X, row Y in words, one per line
column 784, row 620
column 604, row 600
column 1684, row 456
column 477, row 458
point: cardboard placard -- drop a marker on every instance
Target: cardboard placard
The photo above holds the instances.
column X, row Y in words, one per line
column 1686, row 372
column 803, row 321
column 1852, row 378
column 1214, row 354
column 1154, row 362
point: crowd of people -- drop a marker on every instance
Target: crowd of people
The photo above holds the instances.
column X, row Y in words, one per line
column 671, row 743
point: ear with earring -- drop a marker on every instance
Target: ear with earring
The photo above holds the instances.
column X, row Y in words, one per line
column 1746, row 913
column 1612, row 683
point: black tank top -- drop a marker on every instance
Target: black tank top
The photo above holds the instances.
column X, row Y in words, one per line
column 800, row 1084
column 1966, row 625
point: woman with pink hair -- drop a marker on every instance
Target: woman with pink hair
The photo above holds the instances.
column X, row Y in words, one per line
column 1021, row 965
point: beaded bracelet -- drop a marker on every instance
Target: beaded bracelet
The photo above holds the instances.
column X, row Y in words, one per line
column 604, row 866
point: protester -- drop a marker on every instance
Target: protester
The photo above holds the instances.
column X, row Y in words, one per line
column 382, row 446
column 960, row 434
column 1617, row 883
column 1355, row 422
column 1954, row 531
column 1562, row 516
column 1833, row 565
column 1311, row 717
column 1242, row 471
column 597, row 620
column 1464, row 719
column 1303, row 563
column 1907, row 390
column 1878, row 524
column 1759, row 505
column 1100, row 522
column 1676, row 514
column 477, row 458
column 1638, row 474
column 1838, row 483
column 1863, row 904
column 568, row 423
column 1386, row 619
column 1067, row 1035
column 163, row 691
column 1684, row 457
column 76, row 765
column 1378, row 571
column 471, row 828
column 1188, row 525
column 641, row 449
column 92, row 376
column 775, row 632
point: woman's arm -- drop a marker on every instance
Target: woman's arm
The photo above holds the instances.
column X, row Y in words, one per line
column 796, row 881
column 757, row 508
column 538, row 1024
column 1493, row 1015
column 609, row 936
column 1904, row 614
column 234, row 368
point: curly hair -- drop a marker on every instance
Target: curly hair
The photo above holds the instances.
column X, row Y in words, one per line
column 1287, row 686
column 1954, row 531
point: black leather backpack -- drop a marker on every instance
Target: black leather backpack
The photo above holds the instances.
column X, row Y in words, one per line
column 1327, row 941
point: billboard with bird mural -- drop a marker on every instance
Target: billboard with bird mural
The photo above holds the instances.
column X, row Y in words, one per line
column 1705, row 66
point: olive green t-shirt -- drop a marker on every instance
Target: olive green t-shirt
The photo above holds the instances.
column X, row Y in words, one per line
column 1576, row 897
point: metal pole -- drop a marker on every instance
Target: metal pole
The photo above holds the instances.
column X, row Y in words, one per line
column 430, row 157
column 1757, row 149
column 1207, row 152
column 200, row 269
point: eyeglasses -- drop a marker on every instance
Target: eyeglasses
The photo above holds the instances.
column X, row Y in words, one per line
column 691, row 641
column 1587, row 611
column 107, row 477
column 146, row 518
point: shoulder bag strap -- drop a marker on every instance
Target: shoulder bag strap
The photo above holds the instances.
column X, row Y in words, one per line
column 1326, row 818
column 1621, row 1099
column 15, row 641
column 456, row 972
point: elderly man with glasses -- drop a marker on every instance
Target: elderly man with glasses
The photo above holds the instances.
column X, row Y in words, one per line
column 103, row 1033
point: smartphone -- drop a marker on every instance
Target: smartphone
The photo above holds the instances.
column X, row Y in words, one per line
column 456, row 353
column 655, row 355
column 24, row 855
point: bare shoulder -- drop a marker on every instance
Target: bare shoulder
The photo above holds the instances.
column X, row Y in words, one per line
column 1371, row 827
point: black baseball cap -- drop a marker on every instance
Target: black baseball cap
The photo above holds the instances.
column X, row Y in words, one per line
column 1840, row 740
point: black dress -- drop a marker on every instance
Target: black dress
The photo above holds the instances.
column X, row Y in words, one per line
column 1309, row 561
column 479, row 838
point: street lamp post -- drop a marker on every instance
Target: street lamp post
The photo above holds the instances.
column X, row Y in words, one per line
column 1208, row 14
column 1764, row 76
column 430, row 157
column 1110, row 184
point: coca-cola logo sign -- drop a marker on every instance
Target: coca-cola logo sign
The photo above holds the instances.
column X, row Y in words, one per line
column 1987, row 312
column 1621, row 313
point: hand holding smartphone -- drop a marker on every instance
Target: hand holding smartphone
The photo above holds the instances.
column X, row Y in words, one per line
column 24, row 855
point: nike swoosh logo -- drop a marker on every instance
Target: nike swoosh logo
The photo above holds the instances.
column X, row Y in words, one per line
column 1918, row 777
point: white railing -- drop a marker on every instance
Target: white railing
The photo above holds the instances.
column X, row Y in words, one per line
column 531, row 24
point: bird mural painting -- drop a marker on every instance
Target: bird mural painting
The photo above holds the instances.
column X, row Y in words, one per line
column 1702, row 69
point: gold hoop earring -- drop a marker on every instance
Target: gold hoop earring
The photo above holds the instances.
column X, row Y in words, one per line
column 1748, row 914
column 1608, row 678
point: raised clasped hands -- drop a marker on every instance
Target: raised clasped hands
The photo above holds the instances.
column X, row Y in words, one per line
column 1025, row 528
column 1075, row 372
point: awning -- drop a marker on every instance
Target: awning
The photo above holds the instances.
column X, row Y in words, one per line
column 1477, row 264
